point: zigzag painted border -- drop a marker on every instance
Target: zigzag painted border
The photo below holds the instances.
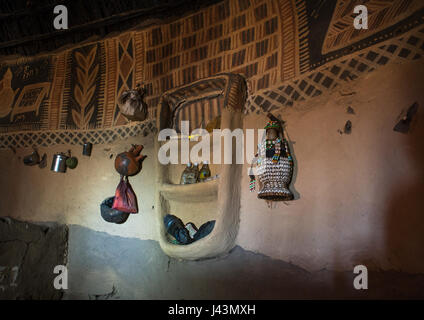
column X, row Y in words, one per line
column 25, row 139
column 303, row 33
column 399, row 50
column 409, row 46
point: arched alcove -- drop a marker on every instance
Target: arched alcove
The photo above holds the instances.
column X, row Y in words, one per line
column 217, row 199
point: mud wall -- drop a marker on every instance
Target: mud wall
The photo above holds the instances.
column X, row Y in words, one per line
column 358, row 194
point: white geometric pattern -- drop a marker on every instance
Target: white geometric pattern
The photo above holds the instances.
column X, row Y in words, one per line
column 409, row 46
column 49, row 138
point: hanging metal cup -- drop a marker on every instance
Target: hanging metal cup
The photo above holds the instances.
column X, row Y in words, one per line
column 32, row 159
column 86, row 149
column 59, row 163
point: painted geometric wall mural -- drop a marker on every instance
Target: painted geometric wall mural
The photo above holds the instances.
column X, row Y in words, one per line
column 86, row 72
column 24, row 91
column 288, row 50
column 381, row 14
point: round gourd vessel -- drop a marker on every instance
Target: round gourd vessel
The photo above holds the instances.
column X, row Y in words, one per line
column 72, row 162
column 129, row 163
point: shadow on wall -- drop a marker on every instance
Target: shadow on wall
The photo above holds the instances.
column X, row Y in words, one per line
column 402, row 220
column 405, row 210
column 292, row 186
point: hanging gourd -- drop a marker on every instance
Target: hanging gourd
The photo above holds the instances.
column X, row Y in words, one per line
column 71, row 162
column 130, row 163
column 116, row 209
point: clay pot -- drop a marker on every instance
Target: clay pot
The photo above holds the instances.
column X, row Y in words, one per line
column 129, row 163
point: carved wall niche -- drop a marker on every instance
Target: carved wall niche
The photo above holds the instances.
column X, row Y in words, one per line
column 223, row 95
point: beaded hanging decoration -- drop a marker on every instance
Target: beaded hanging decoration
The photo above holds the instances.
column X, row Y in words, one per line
column 286, row 147
column 272, row 125
column 252, row 184
column 276, row 145
column 274, row 168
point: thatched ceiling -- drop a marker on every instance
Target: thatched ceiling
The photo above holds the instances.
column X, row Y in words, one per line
column 26, row 26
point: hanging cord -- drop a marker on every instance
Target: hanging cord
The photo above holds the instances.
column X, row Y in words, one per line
column 284, row 132
column 288, row 152
column 271, row 204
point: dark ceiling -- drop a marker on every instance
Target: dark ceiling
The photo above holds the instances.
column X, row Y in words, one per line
column 26, row 26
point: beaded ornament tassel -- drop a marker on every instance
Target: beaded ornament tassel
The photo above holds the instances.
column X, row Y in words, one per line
column 252, row 184
column 286, row 147
column 277, row 152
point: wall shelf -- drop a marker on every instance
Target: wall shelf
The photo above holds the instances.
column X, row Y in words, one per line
column 196, row 192
column 217, row 199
